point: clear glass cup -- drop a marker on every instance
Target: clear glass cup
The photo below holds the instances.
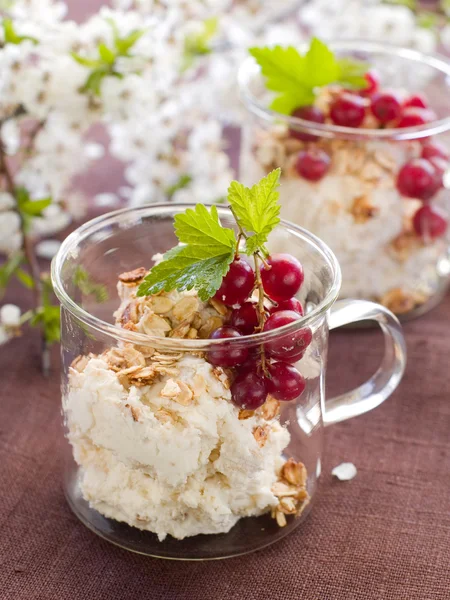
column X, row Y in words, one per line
column 106, row 447
column 356, row 208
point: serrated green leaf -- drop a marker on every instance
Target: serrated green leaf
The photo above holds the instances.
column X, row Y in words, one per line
column 257, row 208
column 25, row 279
column 85, row 62
column 34, row 208
column 187, row 268
column 106, row 54
column 202, row 228
column 8, row 269
column 125, row 44
column 296, row 78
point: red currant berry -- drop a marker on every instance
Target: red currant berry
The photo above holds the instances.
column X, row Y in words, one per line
column 434, row 149
column 307, row 113
column 288, row 347
column 249, row 390
column 373, row 83
column 282, row 277
column 291, row 304
column 440, row 166
column 227, row 355
column 386, row 107
column 429, row 222
column 312, row 164
column 418, row 179
column 237, row 283
column 348, row 110
column 416, row 101
column 412, row 117
column 245, row 318
column 284, row 381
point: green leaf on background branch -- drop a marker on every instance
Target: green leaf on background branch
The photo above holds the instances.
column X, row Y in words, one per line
column 29, row 208
column 47, row 316
column 199, row 44
column 183, row 181
column 12, row 37
column 87, row 286
column 9, row 269
column 25, row 278
column 411, row 4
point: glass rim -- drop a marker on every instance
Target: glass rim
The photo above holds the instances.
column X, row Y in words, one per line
column 71, row 243
column 249, row 67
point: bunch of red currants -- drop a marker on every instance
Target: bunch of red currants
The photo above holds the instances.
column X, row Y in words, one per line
column 262, row 369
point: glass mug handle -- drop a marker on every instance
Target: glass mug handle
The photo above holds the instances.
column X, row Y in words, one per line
column 389, row 374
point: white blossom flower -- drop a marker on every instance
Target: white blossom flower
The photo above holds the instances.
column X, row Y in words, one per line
column 10, row 315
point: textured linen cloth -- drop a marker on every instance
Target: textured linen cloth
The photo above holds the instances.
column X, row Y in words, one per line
column 383, row 536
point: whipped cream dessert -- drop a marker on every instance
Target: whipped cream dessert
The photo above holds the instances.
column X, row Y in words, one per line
column 159, row 444
column 356, row 209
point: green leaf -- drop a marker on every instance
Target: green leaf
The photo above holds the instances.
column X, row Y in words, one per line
column 106, row 54
column 48, row 317
column 34, row 208
column 11, row 36
column 427, row 19
column 88, row 286
column 94, row 82
column 296, row 78
column 183, row 181
column 123, row 45
column 411, row 4
column 85, row 62
column 202, row 228
column 187, row 268
column 257, row 208
column 201, row 263
column 199, row 44
column 9, row 268
column 25, row 278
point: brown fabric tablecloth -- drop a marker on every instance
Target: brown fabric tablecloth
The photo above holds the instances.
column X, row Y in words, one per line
column 383, row 536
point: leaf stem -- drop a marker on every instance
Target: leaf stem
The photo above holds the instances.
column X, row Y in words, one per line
column 29, row 254
column 261, row 310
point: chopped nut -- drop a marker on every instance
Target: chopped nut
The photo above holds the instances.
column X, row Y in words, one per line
column 293, row 145
column 135, row 412
column 185, row 309
column 164, row 416
column 79, row 363
column 197, row 321
column 130, row 326
column 288, row 506
column 209, row 326
column 186, row 395
column 270, row 409
column 362, row 209
column 133, row 276
column 281, row 519
column 145, row 376
column 294, row 473
column 215, row 453
column 161, row 304
column 398, row 301
column 219, row 306
column 154, row 325
column 129, row 313
column 171, row 389
column 169, row 358
column 246, row 414
column 198, row 385
column 180, row 330
column 192, row 334
column 146, row 351
column 260, row 434
column 280, row 489
column 123, row 358
column 404, row 245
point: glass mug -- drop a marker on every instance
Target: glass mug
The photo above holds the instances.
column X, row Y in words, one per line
column 84, row 275
column 356, row 208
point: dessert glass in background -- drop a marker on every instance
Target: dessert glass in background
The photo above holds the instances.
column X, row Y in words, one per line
column 141, row 457
column 356, row 207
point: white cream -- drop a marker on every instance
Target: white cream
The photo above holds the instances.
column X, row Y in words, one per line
column 198, row 472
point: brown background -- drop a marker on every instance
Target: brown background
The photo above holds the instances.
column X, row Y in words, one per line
column 383, row 536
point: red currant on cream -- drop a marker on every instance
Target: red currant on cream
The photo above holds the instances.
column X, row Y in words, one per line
column 418, row 179
column 348, row 110
column 289, row 347
column 415, row 116
column 237, row 283
column 245, row 318
column 428, row 222
column 312, row 164
column 249, row 390
column 291, row 304
column 417, row 101
column 307, row 113
column 227, row 355
column 284, row 381
column 434, row 149
column 386, row 107
column 282, row 277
